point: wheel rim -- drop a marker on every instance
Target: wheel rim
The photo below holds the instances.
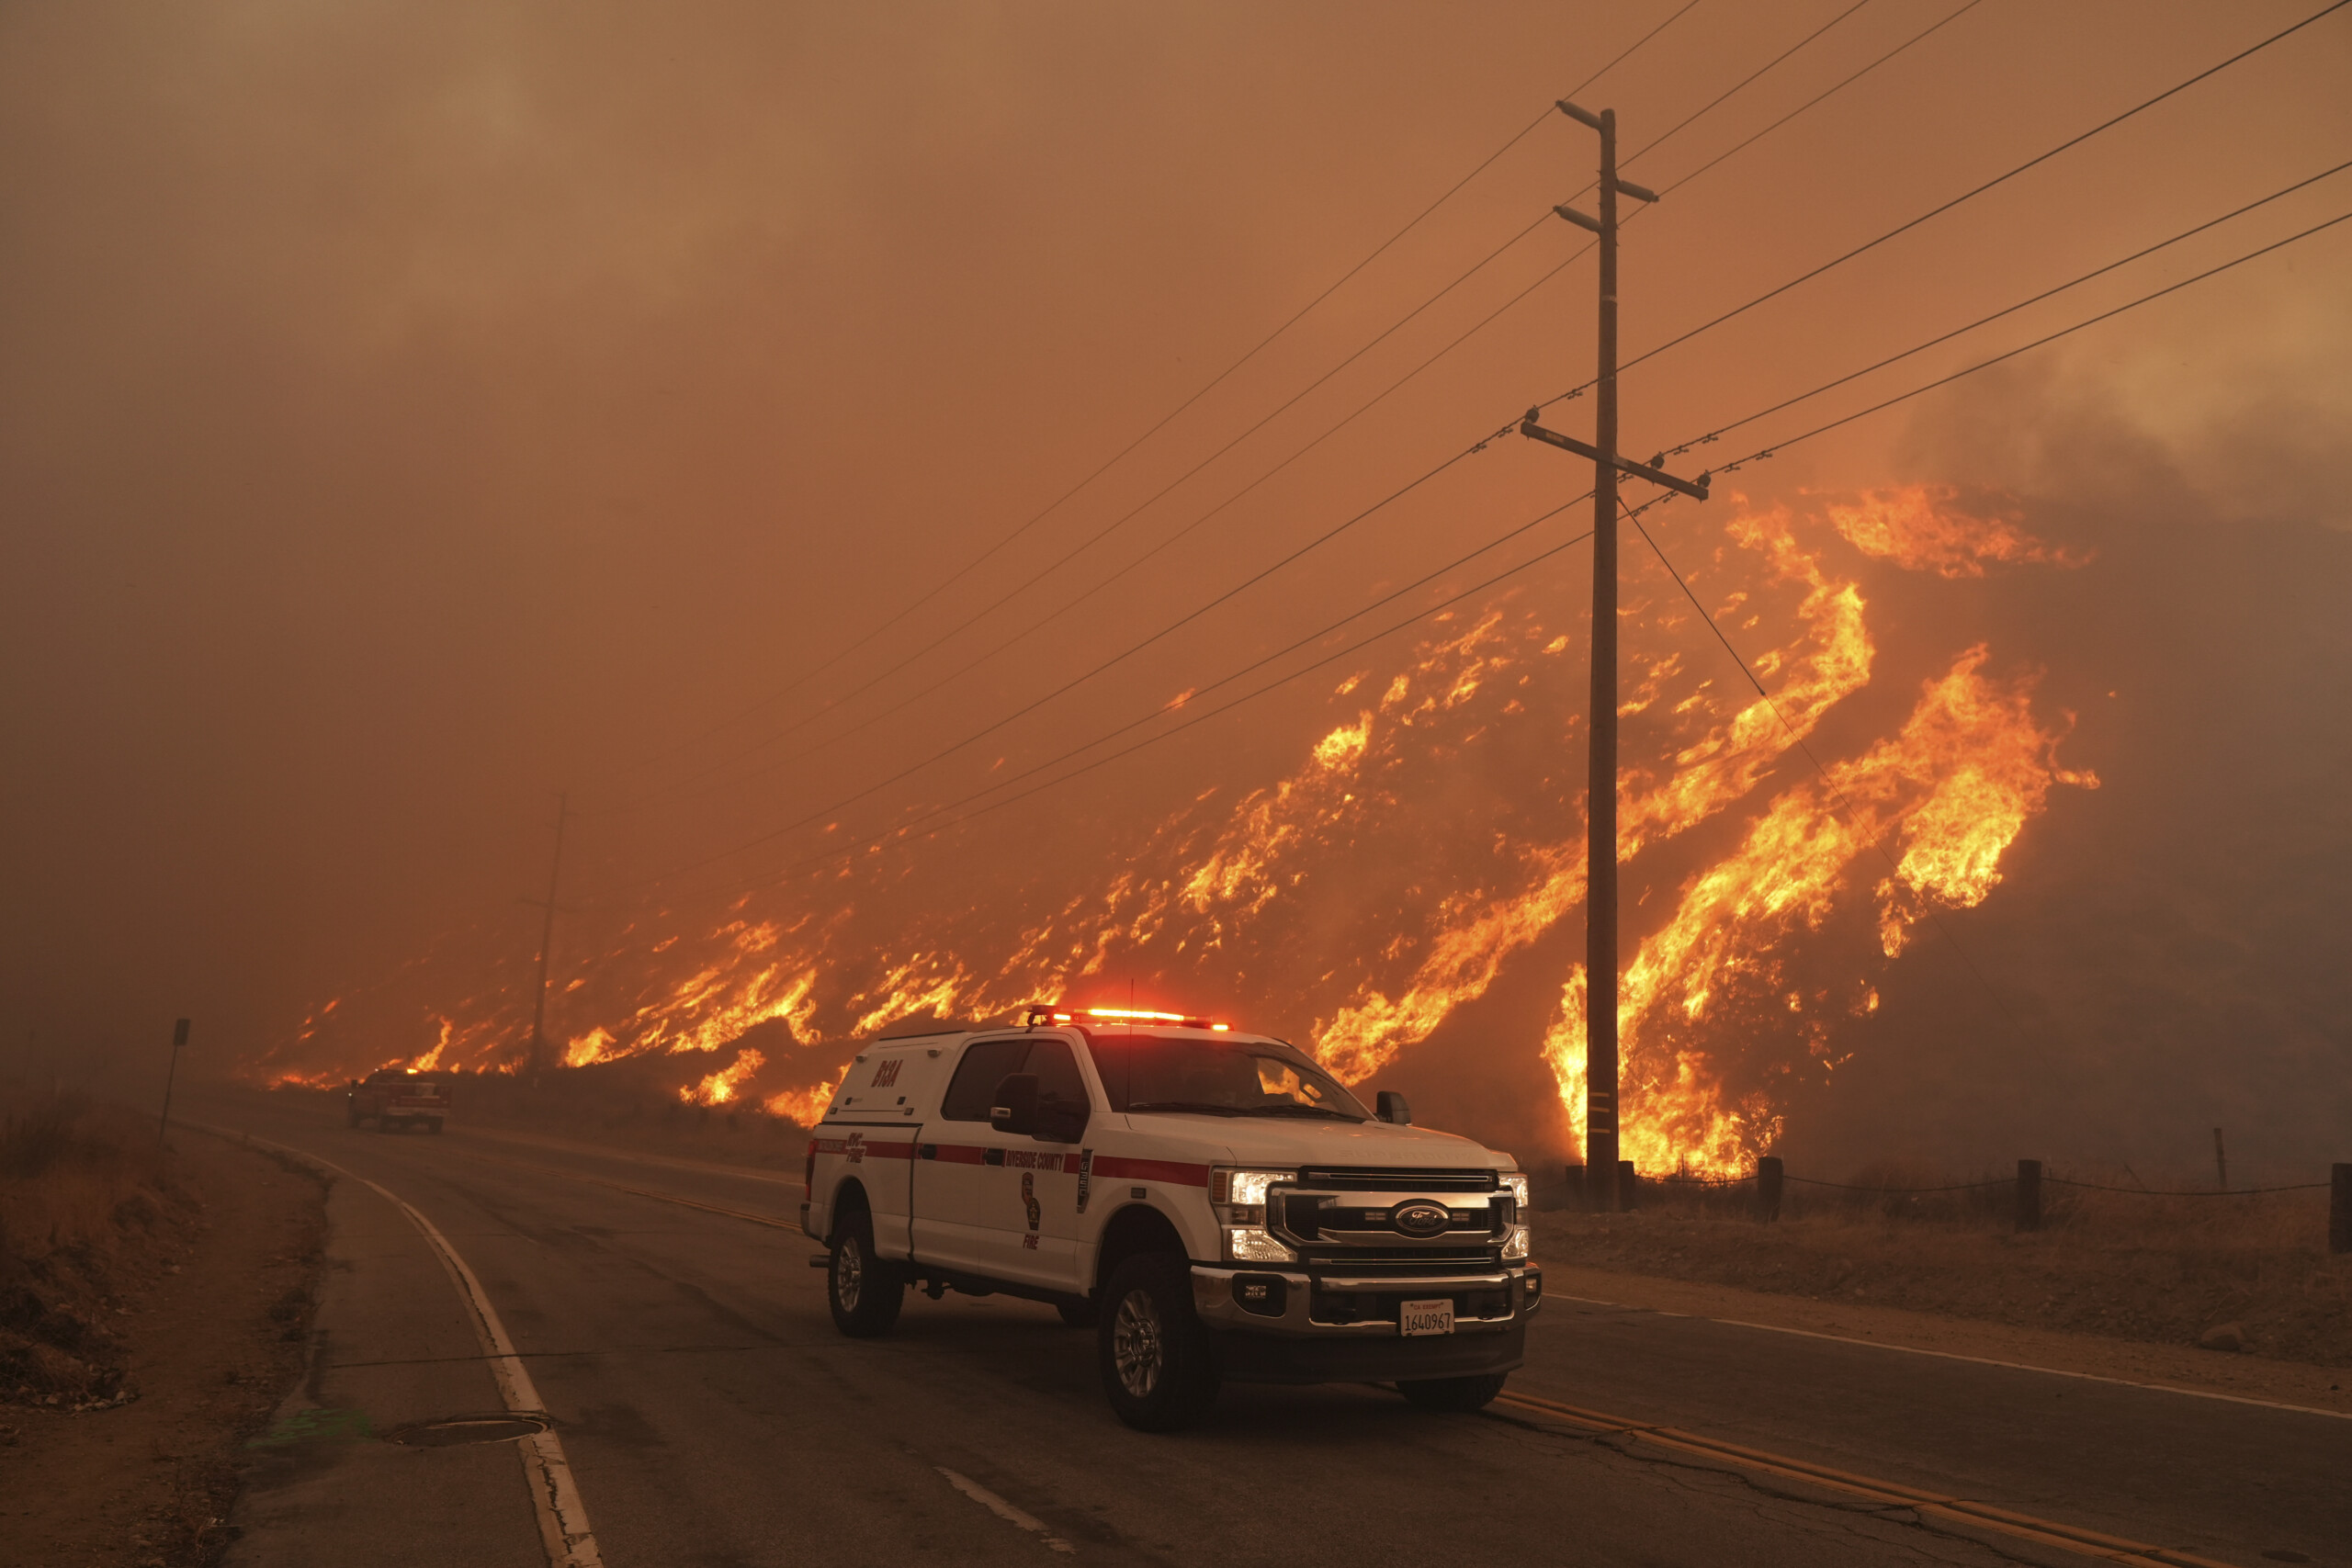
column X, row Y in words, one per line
column 848, row 1274
column 1138, row 1348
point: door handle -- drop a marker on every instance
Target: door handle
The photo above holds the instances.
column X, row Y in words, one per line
column 930, row 1151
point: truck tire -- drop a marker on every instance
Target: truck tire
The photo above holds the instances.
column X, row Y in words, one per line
column 1459, row 1396
column 865, row 1292
column 1158, row 1369
column 1078, row 1314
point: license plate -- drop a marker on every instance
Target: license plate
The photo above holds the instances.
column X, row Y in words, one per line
column 1414, row 1318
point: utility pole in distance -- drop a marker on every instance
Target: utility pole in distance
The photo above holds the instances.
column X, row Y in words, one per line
column 547, row 939
column 1601, row 1125
column 179, row 1038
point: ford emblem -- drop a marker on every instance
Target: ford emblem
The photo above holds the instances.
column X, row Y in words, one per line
column 1422, row 1219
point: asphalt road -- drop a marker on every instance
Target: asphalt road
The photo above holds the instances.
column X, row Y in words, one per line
column 710, row 1415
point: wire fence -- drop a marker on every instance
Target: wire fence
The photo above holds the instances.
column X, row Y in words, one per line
column 1765, row 1193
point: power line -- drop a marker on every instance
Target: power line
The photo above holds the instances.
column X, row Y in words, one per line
column 1074, row 682
column 1778, row 447
column 2012, row 309
column 1965, row 197
column 1113, row 526
column 1840, row 86
column 901, row 830
column 1066, row 606
column 1215, row 382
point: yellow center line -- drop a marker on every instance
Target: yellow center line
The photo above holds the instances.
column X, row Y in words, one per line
column 2023, row 1527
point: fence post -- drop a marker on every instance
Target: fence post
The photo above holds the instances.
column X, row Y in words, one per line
column 2339, row 1208
column 1768, row 1188
column 1628, row 1184
column 1576, row 1187
column 2029, row 1194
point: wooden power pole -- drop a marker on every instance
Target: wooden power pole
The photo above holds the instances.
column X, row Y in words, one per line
column 1601, row 1125
column 547, row 940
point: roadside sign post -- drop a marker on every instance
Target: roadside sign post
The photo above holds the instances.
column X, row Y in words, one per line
column 179, row 1038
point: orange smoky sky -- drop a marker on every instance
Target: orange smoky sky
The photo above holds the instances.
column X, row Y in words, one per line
column 410, row 411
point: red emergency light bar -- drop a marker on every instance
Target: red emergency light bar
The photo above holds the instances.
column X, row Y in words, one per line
column 1040, row 1014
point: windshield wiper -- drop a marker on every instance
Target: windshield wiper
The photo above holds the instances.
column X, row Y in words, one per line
column 1198, row 1107
column 1299, row 1111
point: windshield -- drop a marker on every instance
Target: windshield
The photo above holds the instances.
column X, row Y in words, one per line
column 1217, row 1077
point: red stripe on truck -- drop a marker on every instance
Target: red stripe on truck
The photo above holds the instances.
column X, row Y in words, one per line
column 1113, row 1167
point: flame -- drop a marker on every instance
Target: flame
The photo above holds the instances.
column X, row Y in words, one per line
column 430, row 1060
column 1830, row 659
column 718, row 1088
column 806, row 1106
column 587, row 1050
column 1924, row 528
column 1955, row 788
column 1427, row 836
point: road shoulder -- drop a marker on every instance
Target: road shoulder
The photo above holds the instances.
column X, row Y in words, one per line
column 392, row 1350
column 2135, row 1361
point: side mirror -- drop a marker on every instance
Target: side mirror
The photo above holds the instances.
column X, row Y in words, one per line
column 1390, row 1107
column 1016, row 1104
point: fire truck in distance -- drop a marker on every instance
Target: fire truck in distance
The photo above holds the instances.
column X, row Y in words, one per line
column 1214, row 1204
column 397, row 1098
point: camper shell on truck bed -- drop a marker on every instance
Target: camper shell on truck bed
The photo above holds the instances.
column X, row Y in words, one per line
column 1212, row 1201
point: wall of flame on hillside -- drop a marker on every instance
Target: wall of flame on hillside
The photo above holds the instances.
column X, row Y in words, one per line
column 1430, row 835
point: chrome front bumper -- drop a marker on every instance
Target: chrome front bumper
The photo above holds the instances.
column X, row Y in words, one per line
column 1215, row 1301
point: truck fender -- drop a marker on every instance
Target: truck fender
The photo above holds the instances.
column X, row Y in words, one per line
column 847, row 1193
column 1134, row 1227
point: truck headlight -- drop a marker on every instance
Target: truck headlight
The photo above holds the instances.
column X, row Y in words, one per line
column 1239, row 1198
column 1516, row 1245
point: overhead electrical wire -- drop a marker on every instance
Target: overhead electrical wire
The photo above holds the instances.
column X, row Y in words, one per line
column 1939, row 210
column 992, row 727
column 1778, row 447
column 1097, row 537
column 2011, row 309
column 904, row 829
column 1321, row 539
column 1215, row 382
column 1069, row 604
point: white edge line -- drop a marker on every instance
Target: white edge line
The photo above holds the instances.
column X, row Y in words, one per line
column 1002, row 1510
column 554, row 1497
column 1978, row 1360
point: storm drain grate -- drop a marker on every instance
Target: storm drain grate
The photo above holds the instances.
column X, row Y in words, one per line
column 451, row 1431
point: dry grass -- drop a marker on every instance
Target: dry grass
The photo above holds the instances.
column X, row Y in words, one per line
column 2131, row 1265
column 80, row 1184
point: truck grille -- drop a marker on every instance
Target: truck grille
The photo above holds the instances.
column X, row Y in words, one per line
column 1367, row 1178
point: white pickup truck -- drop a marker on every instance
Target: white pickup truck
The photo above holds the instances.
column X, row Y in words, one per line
column 1214, row 1204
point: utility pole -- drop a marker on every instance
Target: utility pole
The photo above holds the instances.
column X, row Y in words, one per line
column 179, row 1038
column 547, row 940
column 1601, row 1125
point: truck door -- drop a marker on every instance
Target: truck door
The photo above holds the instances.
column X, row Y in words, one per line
column 956, row 1183
column 1030, row 1202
